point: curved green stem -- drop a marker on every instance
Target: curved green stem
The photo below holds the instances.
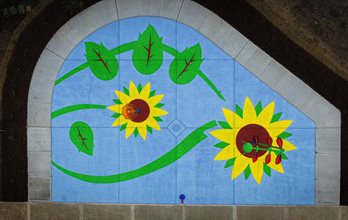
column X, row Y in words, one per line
column 72, row 72
column 73, row 108
column 211, row 84
column 124, row 47
column 192, row 140
column 172, row 51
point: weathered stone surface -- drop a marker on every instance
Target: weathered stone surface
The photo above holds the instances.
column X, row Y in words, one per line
column 313, row 213
column 344, row 212
column 260, row 213
column 106, row 212
column 328, row 191
column 16, row 211
column 53, row 211
column 39, row 188
column 208, row 212
column 152, row 212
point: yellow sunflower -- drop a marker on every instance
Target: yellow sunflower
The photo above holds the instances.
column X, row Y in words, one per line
column 138, row 110
column 256, row 144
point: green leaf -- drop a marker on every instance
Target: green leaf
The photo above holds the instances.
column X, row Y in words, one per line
column 276, row 117
column 247, row 172
column 158, row 118
column 224, row 125
column 152, row 93
column 140, row 87
column 117, row 101
column 284, row 135
column 81, row 135
column 159, row 105
column 136, row 132
column 123, row 127
column 267, row 169
column 149, row 129
column 258, row 108
column 101, row 61
column 230, row 162
column 284, row 157
column 186, row 64
column 126, row 91
column 148, row 53
column 116, row 115
column 221, row 144
column 239, row 111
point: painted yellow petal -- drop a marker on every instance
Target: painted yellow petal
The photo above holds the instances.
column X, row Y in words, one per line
column 249, row 114
column 155, row 100
column 288, row 146
column 239, row 166
column 119, row 121
column 142, row 132
column 232, row 118
column 151, row 122
column 227, row 153
column 158, row 112
column 278, row 127
column 265, row 116
column 276, row 167
column 129, row 131
column 133, row 91
column 257, row 169
column 145, row 93
column 225, row 135
column 125, row 99
column 116, row 108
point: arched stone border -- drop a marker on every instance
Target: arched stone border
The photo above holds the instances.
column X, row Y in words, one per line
column 326, row 117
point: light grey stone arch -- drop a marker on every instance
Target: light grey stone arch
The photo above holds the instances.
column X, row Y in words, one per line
column 327, row 118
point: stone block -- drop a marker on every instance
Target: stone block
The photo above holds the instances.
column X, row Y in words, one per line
column 40, row 89
column 328, row 166
column 208, row 212
column 39, row 114
column 192, row 14
column 260, row 212
column 274, row 75
column 39, row 188
column 312, row 213
column 232, row 42
column 48, row 65
column 150, row 7
column 328, row 192
column 163, row 212
column 39, row 139
column 128, row 8
column 328, row 140
column 13, row 210
column 344, row 212
column 214, row 27
column 53, row 211
column 100, row 212
column 39, row 164
column 170, row 8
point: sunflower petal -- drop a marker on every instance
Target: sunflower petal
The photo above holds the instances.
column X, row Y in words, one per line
column 116, row 108
column 265, row 116
column 133, row 91
column 278, row 127
column 276, row 167
column 145, row 93
column 288, row 146
column 239, row 166
column 129, row 131
column 119, row 121
column 125, row 99
column 249, row 113
column 151, row 122
column 142, row 132
column 158, row 112
column 232, row 118
column 226, row 153
column 155, row 100
column 257, row 170
column 225, row 135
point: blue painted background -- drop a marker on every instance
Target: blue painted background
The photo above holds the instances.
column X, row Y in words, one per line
column 197, row 175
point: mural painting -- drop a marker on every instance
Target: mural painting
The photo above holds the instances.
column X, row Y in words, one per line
column 147, row 110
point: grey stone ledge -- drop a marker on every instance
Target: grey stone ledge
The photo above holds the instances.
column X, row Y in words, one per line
column 170, row 8
column 39, row 114
column 45, row 210
column 328, row 166
column 105, row 212
column 214, row 27
column 39, row 164
column 232, row 42
column 48, row 65
column 39, row 139
column 157, row 212
column 192, row 14
column 328, row 140
column 40, row 89
column 150, row 7
column 128, row 8
column 328, row 192
column 39, row 188
column 261, row 212
column 208, row 212
column 313, row 213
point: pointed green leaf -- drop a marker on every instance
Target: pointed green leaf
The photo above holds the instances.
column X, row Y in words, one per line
column 81, row 135
column 136, row 132
column 284, row 157
column 149, row 129
column 239, row 111
column 126, row 91
column 158, row 118
column 276, row 117
column 152, row 93
column 224, row 125
column 159, row 105
column 221, row 144
column 117, row 101
column 140, row 87
column 267, row 169
column 247, row 172
column 148, row 53
column 101, row 61
column 258, row 108
column 284, row 135
column 116, row 115
column 186, row 64
column 230, row 162
column 123, row 127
